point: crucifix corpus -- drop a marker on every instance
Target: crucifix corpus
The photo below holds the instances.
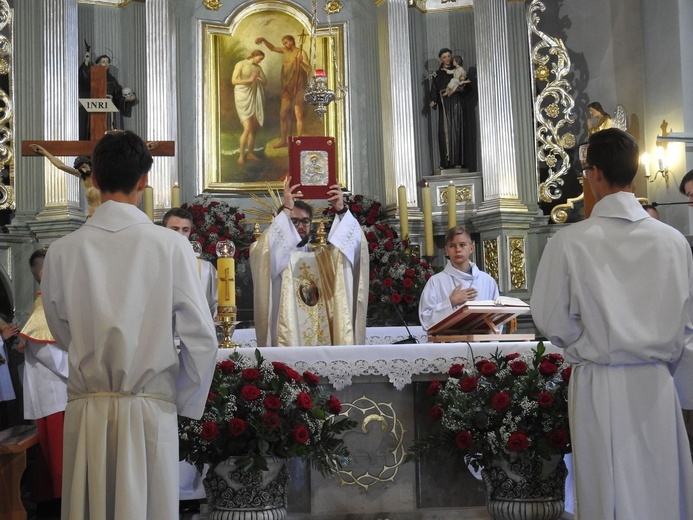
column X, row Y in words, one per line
column 98, row 128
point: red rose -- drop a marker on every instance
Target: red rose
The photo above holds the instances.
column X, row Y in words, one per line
column 396, row 297
column 555, row 358
column 518, row 442
column 456, row 371
column 519, row 367
column 370, row 236
column 370, row 220
column 304, row 401
column 468, row 384
column 333, row 405
column 214, row 204
column 372, row 246
column 300, row 434
column 272, row 402
column 546, row 368
column 463, row 440
column 500, row 401
column 427, row 276
column 436, row 413
column 389, row 234
column 279, row 367
column 488, row 369
column 372, row 274
column 566, row 374
column 407, row 283
column 227, row 367
column 250, row 374
column 512, row 356
column 380, row 227
column 293, row 375
column 387, row 282
column 389, row 246
column 545, row 400
column 211, row 249
column 250, row 392
column 237, row 427
column 409, row 298
column 558, row 440
column 355, row 208
column 209, row 431
column 434, row 387
column 409, row 272
column 310, row 379
column 211, row 396
column 271, row 420
column 213, row 229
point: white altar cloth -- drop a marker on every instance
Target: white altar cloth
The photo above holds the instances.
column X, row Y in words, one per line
column 399, row 363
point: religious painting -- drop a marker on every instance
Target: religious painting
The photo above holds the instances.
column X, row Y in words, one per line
column 309, row 292
column 256, row 70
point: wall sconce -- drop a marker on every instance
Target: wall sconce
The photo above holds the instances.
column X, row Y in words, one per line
column 662, row 165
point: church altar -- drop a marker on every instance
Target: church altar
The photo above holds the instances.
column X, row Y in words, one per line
column 383, row 387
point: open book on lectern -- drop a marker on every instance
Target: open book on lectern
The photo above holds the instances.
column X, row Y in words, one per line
column 480, row 317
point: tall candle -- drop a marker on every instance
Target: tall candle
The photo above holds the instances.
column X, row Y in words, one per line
column 403, row 215
column 149, row 202
column 226, row 271
column 452, row 205
column 175, row 196
column 428, row 219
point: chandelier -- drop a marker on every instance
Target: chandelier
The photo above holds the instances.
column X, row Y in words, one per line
column 317, row 93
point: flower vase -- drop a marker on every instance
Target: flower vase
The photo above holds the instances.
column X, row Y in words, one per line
column 235, row 494
column 531, row 489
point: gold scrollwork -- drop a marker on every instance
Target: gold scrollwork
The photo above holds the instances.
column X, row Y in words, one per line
column 463, row 193
column 383, row 443
column 517, row 262
column 550, row 57
column 490, row 250
column 6, row 106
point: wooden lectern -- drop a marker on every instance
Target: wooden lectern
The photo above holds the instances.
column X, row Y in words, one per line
column 480, row 321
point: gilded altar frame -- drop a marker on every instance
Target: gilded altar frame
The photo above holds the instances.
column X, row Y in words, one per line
column 224, row 45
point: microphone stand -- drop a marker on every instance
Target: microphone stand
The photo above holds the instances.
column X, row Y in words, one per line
column 406, row 341
column 655, row 204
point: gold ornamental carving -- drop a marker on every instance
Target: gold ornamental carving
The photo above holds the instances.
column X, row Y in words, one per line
column 490, row 252
column 212, row 5
column 6, row 105
column 377, row 443
column 462, row 194
column 516, row 258
column 553, row 104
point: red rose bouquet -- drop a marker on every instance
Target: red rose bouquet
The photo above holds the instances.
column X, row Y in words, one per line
column 260, row 410
column 505, row 406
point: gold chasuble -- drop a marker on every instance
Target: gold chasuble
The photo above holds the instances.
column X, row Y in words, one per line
column 36, row 327
column 322, row 299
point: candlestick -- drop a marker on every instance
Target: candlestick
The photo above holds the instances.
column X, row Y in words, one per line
column 226, row 273
column 428, row 219
column 149, row 202
column 452, row 205
column 175, row 196
column 403, row 215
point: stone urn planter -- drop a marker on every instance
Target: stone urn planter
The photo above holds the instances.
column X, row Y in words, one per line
column 531, row 489
column 233, row 494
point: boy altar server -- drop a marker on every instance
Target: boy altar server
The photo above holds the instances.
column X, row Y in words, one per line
column 114, row 293
column 461, row 281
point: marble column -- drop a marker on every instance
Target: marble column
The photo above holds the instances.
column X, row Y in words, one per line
column 503, row 218
column 60, row 94
column 399, row 146
column 162, row 112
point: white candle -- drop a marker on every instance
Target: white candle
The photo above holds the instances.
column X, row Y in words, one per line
column 428, row 219
column 452, row 205
column 403, row 215
column 149, row 202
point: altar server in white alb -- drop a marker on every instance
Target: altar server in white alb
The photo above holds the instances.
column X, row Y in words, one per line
column 616, row 292
column 303, row 297
column 180, row 221
column 113, row 292
column 460, row 282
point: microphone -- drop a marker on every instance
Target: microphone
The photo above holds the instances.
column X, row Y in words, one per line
column 655, row 204
column 406, row 341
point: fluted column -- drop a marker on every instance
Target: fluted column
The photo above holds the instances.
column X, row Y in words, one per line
column 60, row 97
column 399, row 147
column 161, row 97
column 498, row 159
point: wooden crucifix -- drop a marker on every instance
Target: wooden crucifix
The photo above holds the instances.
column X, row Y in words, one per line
column 97, row 128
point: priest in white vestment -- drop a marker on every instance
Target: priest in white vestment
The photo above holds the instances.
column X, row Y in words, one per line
column 115, row 292
column 460, row 282
column 616, row 292
column 303, row 297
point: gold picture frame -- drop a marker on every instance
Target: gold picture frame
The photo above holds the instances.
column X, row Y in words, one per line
column 224, row 46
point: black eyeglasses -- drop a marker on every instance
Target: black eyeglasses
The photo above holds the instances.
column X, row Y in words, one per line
column 584, row 170
column 301, row 221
